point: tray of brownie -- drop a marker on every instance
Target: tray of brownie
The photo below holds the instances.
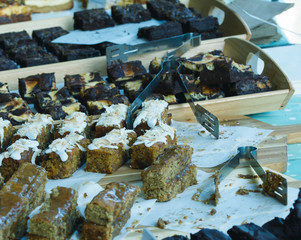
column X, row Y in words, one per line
column 23, row 37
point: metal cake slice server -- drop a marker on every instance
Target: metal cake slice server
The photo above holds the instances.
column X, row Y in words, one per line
column 273, row 185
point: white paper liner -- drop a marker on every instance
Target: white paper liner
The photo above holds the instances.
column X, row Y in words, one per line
column 210, row 152
column 119, row 34
column 190, row 216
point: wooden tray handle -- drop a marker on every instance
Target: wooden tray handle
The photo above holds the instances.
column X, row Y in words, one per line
column 233, row 24
column 240, row 49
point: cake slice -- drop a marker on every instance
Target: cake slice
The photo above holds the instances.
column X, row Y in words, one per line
column 64, row 156
column 151, row 144
column 107, row 213
column 21, row 151
column 130, row 13
column 12, row 11
column 31, row 85
column 38, row 128
column 77, row 122
column 58, row 216
column 24, row 191
column 113, row 118
column 6, row 133
column 209, row 234
column 153, row 113
column 44, row 6
column 170, row 174
column 92, row 19
column 250, row 231
column 108, row 153
column 76, row 82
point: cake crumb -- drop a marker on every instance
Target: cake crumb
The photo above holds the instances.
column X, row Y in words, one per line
column 162, row 223
column 243, row 191
column 148, row 209
column 244, row 222
column 180, row 222
column 185, row 217
column 212, row 212
column 247, row 176
column 228, row 216
column 85, row 195
column 139, row 231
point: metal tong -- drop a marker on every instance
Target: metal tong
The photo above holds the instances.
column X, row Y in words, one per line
column 273, row 185
column 169, row 63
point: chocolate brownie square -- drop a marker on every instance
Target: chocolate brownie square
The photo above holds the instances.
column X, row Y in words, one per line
column 131, row 13
column 92, row 19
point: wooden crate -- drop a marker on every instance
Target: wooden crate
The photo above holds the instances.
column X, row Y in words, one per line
column 232, row 25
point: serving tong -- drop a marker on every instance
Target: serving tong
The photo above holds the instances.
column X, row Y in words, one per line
column 170, row 63
column 273, row 184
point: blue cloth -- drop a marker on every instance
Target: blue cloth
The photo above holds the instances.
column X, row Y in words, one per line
column 289, row 116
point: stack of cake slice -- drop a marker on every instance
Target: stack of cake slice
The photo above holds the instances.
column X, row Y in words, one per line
column 108, row 212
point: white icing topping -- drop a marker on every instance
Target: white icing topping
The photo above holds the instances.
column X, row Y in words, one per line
column 113, row 115
column 75, row 122
column 35, row 126
column 3, row 124
column 21, row 145
column 155, row 135
column 112, row 139
column 151, row 112
column 61, row 146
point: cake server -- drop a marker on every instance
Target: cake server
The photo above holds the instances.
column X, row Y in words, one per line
column 122, row 52
column 273, row 184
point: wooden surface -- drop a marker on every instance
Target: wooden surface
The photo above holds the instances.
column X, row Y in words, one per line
column 272, row 152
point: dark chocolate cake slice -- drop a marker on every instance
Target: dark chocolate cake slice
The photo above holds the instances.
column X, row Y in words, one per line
column 292, row 223
column 250, row 231
column 131, row 13
column 276, row 227
column 209, row 234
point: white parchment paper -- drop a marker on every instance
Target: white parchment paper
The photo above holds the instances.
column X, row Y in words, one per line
column 119, row 34
column 187, row 215
column 210, row 152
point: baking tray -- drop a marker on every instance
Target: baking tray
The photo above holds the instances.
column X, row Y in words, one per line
column 236, row 48
column 232, row 25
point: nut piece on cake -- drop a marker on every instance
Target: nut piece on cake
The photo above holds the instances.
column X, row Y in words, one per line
column 170, row 174
column 58, row 216
column 64, row 156
column 108, row 212
column 108, row 153
column 24, row 191
column 151, row 144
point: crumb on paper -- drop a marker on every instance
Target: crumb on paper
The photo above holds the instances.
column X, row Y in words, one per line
column 135, row 222
column 247, row 176
column 244, row 222
column 259, row 134
column 200, row 219
column 180, row 222
column 228, row 216
column 162, row 223
column 185, row 217
column 212, row 212
column 85, row 195
column 196, row 197
column 243, row 191
column 139, row 231
column 148, row 209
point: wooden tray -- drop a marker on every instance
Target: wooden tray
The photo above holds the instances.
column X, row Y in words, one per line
column 232, row 25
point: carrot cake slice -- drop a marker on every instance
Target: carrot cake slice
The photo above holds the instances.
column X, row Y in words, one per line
column 64, row 156
column 153, row 112
column 108, row 153
column 57, row 218
column 113, row 118
column 6, row 132
column 38, row 128
column 24, row 191
column 107, row 213
column 21, row 151
column 151, row 144
column 77, row 122
column 170, row 174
